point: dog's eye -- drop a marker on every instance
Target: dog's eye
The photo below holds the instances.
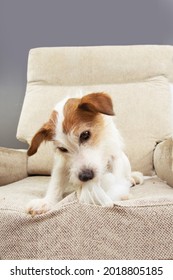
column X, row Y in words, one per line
column 84, row 136
column 63, row 150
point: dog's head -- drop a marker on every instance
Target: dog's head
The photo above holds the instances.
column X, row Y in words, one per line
column 77, row 128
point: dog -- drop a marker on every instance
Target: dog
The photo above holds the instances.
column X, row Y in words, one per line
column 88, row 149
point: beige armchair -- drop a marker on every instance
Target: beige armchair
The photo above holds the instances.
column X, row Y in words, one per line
column 139, row 80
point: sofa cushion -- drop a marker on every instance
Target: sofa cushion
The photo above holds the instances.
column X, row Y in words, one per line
column 15, row 196
column 71, row 66
column 142, row 110
column 139, row 228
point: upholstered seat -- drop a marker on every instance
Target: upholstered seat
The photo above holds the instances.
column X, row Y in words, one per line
column 138, row 78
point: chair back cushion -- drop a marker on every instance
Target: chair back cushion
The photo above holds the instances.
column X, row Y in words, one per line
column 137, row 78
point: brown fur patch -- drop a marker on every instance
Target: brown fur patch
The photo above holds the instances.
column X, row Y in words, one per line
column 75, row 117
column 97, row 103
column 45, row 133
column 79, row 112
column 78, row 120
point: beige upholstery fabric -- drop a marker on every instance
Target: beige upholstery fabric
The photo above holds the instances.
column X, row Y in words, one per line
column 138, row 79
column 137, row 92
column 42, row 162
column 163, row 161
column 139, row 228
column 13, row 165
column 94, row 65
column 132, row 103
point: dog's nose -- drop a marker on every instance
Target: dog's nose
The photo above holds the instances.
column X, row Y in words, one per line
column 86, row 175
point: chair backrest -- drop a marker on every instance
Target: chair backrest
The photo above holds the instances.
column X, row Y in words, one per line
column 137, row 77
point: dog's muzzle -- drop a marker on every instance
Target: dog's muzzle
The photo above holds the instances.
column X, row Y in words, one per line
column 86, row 175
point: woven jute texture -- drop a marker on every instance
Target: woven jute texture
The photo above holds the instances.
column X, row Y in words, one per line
column 134, row 229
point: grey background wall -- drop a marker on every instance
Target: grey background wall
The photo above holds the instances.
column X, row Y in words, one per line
column 42, row 23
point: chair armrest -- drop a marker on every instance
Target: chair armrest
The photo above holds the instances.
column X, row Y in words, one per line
column 163, row 161
column 13, row 165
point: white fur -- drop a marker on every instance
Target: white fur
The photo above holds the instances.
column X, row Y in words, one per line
column 111, row 167
column 109, row 190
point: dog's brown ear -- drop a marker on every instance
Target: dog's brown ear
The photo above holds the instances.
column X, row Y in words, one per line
column 97, row 103
column 45, row 133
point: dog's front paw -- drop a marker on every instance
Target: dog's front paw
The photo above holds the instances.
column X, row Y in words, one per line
column 137, row 178
column 38, row 206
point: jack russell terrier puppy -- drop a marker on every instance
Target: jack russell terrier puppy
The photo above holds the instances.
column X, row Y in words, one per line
column 89, row 155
